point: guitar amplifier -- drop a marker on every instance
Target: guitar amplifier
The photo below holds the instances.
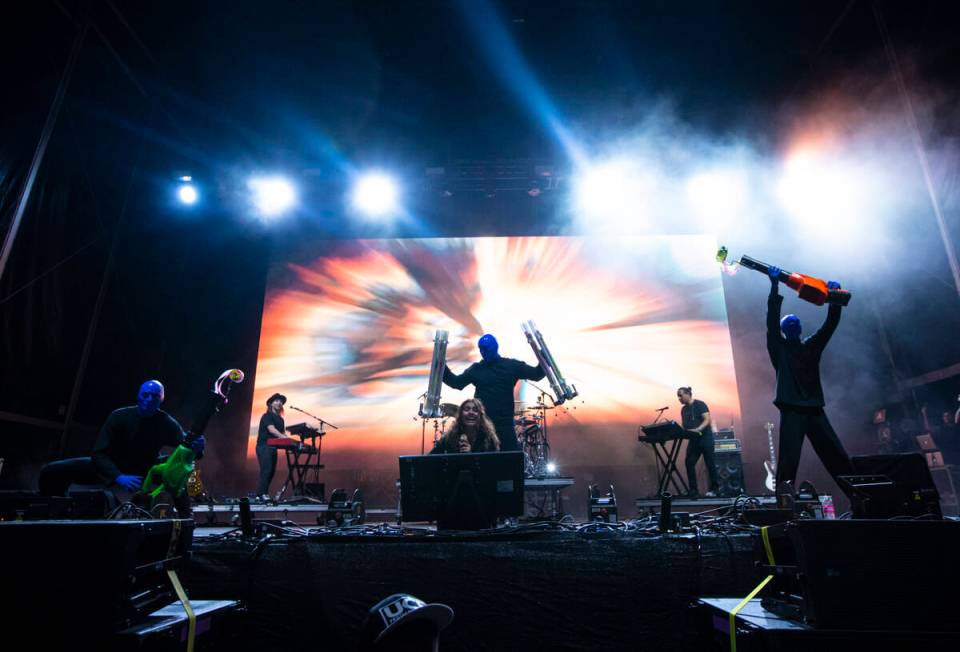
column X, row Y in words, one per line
column 723, row 433
column 724, row 445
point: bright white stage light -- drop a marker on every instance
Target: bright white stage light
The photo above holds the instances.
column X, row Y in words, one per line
column 614, row 193
column 272, row 195
column 717, row 197
column 825, row 194
column 187, row 194
column 375, row 194
column 551, row 467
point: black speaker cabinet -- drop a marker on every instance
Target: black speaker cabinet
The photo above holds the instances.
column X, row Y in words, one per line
column 729, row 472
column 88, row 579
column 873, row 574
column 912, row 492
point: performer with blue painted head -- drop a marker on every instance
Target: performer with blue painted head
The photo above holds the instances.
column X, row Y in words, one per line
column 126, row 447
column 494, row 379
column 799, row 392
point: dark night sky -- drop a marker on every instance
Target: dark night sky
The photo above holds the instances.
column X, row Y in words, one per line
column 411, row 80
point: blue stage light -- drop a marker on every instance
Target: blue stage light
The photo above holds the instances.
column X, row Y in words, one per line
column 187, row 194
column 376, row 195
column 272, row 196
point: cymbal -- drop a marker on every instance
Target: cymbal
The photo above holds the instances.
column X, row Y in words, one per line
column 449, row 409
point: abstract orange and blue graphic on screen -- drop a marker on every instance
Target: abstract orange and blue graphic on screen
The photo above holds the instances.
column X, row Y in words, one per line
column 348, row 330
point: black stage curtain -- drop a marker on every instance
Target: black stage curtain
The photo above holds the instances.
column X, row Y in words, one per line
column 546, row 591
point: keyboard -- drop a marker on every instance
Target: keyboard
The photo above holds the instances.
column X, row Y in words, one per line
column 291, row 444
column 659, row 433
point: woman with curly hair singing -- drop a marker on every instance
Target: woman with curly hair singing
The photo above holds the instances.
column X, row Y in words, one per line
column 472, row 432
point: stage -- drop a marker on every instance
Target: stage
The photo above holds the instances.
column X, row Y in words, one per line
column 624, row 586
column 550, row 585
column 545, row 586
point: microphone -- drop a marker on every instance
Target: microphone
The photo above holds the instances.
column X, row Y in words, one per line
column 663, row 409
column 293, row 407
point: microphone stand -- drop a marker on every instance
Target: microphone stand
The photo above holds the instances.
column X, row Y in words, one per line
column 423, row 425
column 542, row 393
column 660, row 412
column 313, row 416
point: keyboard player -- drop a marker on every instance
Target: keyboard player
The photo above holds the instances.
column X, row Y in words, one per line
column 271, row 427
column 696, row 420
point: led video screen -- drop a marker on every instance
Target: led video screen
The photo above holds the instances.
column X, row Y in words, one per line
column 348, row 329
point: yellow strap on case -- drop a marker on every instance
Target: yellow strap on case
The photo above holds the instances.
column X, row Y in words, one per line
column 736, row 610
column 185, row 601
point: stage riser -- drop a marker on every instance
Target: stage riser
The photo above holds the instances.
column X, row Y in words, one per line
column 545, row 592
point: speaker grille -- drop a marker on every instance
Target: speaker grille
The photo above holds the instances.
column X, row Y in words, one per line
column 729, row 473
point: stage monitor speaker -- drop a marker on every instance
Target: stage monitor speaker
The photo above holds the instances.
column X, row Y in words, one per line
column 873, row 574
column 913, row 492
column 94, row 503
column 89, row 579
column 31, row 506
column 729, row 472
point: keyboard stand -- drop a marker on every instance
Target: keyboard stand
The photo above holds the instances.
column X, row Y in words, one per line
column 301, row 461
column 666, row 437
column 667, row 472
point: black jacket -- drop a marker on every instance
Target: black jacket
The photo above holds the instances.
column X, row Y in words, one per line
column 129, row 443
column 797, row 362
column 494, row 381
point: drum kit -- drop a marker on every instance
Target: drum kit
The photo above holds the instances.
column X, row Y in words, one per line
column 443, row 413
column 530, row 424
column 447, row 411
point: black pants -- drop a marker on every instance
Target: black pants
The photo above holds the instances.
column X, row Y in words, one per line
column 702, row 445
column 794, row 424
column 267, row 457
column 506, row 433
column 56, row 478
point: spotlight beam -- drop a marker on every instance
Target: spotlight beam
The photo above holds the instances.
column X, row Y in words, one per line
column 507, row 61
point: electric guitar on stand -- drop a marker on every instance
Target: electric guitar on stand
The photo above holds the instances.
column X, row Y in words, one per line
column 770, row 465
